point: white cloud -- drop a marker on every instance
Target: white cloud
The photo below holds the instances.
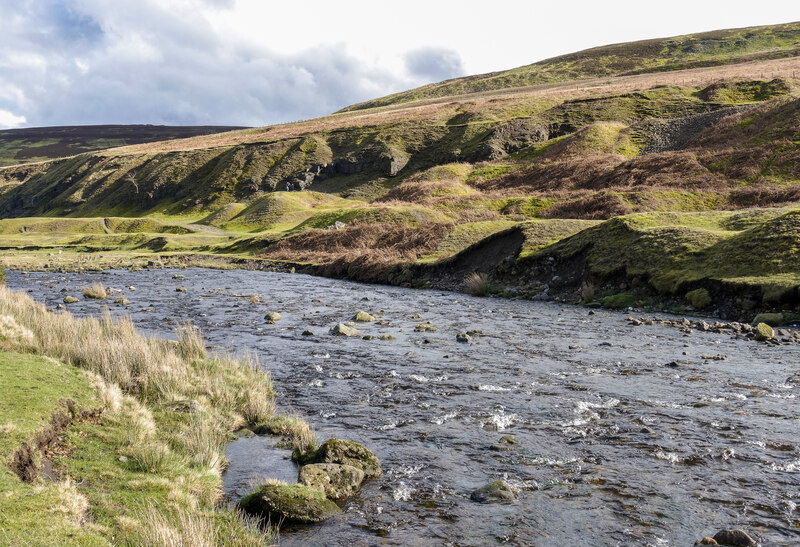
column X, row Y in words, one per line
column 10, row 120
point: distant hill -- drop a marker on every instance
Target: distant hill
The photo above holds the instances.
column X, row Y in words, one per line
column 44, row 143
column 714, row 48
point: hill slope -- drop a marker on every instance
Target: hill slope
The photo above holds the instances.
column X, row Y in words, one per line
column 43, row 143
column 528, row 180
column 666, row 54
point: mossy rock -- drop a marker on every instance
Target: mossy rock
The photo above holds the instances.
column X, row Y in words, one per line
column 764, row 332
column 771, row 319
column 348, row 453
column 336, row 480
column 295, row 503
column 363, row 317
column 620, row 301
column 493, row 492
column 70, row 300
column 272, row 317
column 698, row 298
column 340, row 329
column 388, row 337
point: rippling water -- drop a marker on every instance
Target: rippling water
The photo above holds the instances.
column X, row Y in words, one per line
column 614, row 446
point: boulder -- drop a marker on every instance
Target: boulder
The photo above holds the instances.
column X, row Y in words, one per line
column 70, row 299
column 349, row 453
column 493, row 492
column 363, row 317
column 343, row 330
column 764, row 332
column 463, row 338
column 737, row 538
column 771, row 319
column 336, row 480
column 295, row 503
column 272, row 317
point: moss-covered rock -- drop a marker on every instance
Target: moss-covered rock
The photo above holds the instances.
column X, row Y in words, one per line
column 336, row 480
column 363, row 317
column 698, row 298
column 348, row 453
column 764, row 332
column 70, row 299
column 272, row 317
column 771, row 319
column 388, row 337
column 340, row 329
column 493, row 492
column 295, row 503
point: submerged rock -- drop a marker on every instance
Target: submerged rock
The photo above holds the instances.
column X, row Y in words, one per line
column 737, row 538
column 295, row 503
column 493, row 492
column 349, row 453
column 343, row 330
column 272, row 317
column 363, row 317
column 336, row 480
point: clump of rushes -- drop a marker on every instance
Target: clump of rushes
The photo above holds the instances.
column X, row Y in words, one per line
column 96, row 291
column 168, row 410
column 477, row 284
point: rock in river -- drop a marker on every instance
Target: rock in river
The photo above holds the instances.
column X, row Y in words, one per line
column 295, row 503
column 349, row 453
column 764, row 332
column 737, row 538
column 343, row 330
column 363, row 317
column 336, row 480
column 493, row 492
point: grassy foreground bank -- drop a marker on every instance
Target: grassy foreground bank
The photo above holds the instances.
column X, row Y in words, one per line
column 110, row 437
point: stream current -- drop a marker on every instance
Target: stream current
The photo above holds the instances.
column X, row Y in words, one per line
column 625, row 435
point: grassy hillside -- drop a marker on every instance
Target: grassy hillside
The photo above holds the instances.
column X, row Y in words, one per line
column 664, row 54
column 408, row 192
column 44, row 143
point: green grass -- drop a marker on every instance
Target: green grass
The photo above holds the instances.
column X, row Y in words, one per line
column 39, row 514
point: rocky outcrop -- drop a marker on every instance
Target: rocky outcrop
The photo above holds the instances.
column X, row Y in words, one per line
column 336, row 480
column 347, row 453
column 511, row 136
column 674, row 134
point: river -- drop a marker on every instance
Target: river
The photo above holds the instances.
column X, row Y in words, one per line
column 625, row 435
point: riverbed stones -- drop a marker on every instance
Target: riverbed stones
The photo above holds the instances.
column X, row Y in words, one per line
column 764, row 332
column 272, row 317
column 70, row 299
column 349, row 453
column 735, row 538
column 363, row 317
column 463, row 338
column 497, row 491
column 336, row 480
column 340, row 329
column 296, row 503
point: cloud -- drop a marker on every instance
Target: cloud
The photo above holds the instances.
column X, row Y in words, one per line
column 9, row 119
column 434, row 63
column 68, row 62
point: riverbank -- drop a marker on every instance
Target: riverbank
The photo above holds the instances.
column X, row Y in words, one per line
column 112, row 437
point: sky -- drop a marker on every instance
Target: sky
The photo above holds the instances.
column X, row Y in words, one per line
column 260, row 62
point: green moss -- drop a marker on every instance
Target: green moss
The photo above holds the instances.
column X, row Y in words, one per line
column 620, row 300
column 698, row 298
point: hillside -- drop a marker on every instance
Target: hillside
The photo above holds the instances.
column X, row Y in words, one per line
column 660, row 55
column 523, row 184
column 43, row 143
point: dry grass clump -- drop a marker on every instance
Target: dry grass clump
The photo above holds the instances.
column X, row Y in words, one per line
column 381, row 243
column 477, row 284
column 182, row 528
column 601, row 206
column 96, row 291
column 12, row 334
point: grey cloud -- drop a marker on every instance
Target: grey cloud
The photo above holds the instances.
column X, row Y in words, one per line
column 135, row 61
column 434, row 63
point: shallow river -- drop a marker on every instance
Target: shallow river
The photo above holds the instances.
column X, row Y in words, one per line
column 615, row 446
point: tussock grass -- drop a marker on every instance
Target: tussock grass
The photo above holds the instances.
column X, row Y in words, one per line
column 477, row 284
column 96, row 291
